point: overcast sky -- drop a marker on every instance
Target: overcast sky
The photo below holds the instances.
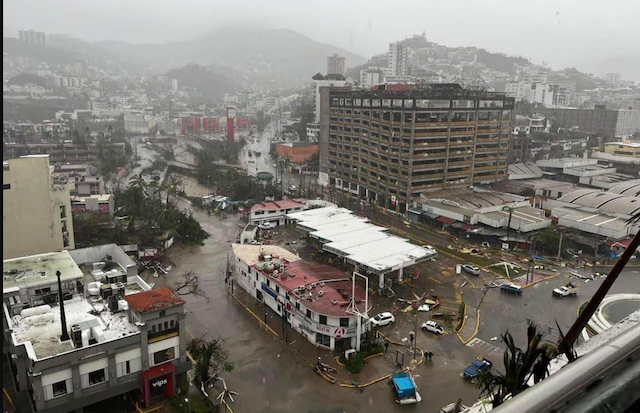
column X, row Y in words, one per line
column 561, row 32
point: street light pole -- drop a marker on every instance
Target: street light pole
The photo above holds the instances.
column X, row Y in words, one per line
column 560, row 246
column 186, row 400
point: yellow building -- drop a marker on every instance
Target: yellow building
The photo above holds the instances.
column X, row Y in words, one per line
column 631, row 149
column 36, row 214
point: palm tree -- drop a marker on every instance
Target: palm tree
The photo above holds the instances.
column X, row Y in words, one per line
column 519, row 366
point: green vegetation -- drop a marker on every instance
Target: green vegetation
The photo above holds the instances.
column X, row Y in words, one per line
column 519, row 366
column 303, row 109
column 548, row 241
column 461, row 313
column 355, row 364
column 210, row 357
column 28, row 78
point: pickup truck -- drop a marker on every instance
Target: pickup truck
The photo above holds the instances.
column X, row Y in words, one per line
column 565, row 292
column 477, row 367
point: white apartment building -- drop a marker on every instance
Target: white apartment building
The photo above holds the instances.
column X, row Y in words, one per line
column 325, row 81
column 531, row 92
column 398, row 59
column 371, row 76
column 36, row 214
column 313, row 298
column 628, row 123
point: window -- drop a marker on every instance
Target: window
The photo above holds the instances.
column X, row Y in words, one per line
column 129, row 367
column 277, row 289
column 308, row 313
column 323, row 339
column 164, row 355
column 6, row 187
column 59, row 388
column 166, row 325
column 153, row 328
column 97, row 377
column 163, row 313
column 344, row 322
column 323, row 319
column 63, row 211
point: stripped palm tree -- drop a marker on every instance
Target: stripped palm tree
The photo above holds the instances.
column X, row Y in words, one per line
column 519, row 366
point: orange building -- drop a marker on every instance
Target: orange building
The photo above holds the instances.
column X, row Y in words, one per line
column 297, row 152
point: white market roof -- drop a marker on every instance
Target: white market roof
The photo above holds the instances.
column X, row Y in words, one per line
column 360, row 242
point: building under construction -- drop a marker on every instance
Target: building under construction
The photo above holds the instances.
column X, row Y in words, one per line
column 391, row 144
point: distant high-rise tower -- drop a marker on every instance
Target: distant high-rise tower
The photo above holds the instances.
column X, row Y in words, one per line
column 335, row 65
column 32, row 37
column 398, row 54
column 174, row 84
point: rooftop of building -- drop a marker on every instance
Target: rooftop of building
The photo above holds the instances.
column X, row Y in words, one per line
column 565, row 162
column 321, row 288
column 628, row 188
column 276, row 205
column 370, row 247
column 627, row 144
column 44, row 334
column 524, row 171
column 468, row 199
column 298, row 144
column 428, row 90
column 153, row 300
column 551, row 185
column 34, row 270
column 611, row 178
column 589, row 218
column 100, row 198
column 588, row 168
column 603, row 201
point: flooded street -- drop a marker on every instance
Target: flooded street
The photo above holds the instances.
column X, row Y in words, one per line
column 268, row 376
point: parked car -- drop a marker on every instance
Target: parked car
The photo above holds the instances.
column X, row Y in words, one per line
column 565, row 291
column 433, row 327
column 471, row 269
column 382, row 319
column 267, row 225
column 477, row 367
column 511, row 289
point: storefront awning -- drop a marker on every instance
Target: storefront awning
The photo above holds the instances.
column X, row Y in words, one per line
column 160, row 370
column 445, row 220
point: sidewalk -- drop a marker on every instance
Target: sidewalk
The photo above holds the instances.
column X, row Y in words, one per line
column 470, row 325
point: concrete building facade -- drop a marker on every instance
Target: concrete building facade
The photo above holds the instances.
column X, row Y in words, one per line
column 389, row 146
column 36, row 212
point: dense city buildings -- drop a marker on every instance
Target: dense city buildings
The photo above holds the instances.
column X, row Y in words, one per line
column 608, row 122
column 371, row 76
column 391, row 146
column 336, row 65
column 36, row 214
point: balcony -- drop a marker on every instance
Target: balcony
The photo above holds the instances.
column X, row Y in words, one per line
column 428, row 134
column 487, row 150
column 164, row 334
column 484, row 168
column 431, row 124
column 469, row 123
column 461, row 163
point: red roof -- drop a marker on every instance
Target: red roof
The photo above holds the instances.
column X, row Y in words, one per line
column 445, row 220
column 277, row 205
column 336, row 284
column 153, row 300
column 624, row 243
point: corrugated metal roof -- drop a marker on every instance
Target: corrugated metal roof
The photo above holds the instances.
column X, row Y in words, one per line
column 603, row 201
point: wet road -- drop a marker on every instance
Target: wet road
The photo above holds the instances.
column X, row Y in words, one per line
column 268, row 376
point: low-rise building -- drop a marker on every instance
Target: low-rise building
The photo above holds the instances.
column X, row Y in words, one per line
column 89, row 343
column 36, row 211
column 274, row 211
column 101, row 203
column 313, row 298
column 298, row 153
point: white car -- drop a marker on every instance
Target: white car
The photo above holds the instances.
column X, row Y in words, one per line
column 382, row 319
column 433, row 327
column 267, row 225
column 471, row 269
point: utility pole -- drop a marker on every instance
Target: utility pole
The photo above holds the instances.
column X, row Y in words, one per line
column 415, row 333
column 560, row 246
